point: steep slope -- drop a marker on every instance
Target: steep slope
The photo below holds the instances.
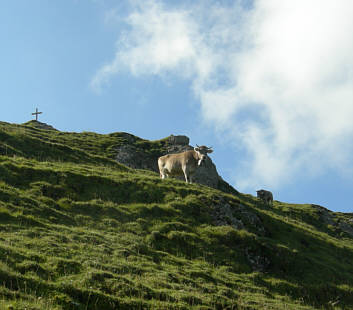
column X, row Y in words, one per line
column 120, row 146
column 80, row 231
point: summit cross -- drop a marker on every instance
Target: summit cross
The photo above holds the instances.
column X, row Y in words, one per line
column 36, row 114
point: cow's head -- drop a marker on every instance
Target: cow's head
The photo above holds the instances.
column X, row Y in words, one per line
column 202, row 152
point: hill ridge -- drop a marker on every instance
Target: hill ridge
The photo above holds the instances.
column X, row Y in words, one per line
column 39, row 125
column 78, row 230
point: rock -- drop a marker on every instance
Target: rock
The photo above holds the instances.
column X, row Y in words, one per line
column 228, row 211
column 257, row 260
column 330, row 218
column 207, row 174
column 346, row 227
column 325, row 216
column 179, row 140
column 136, row 157
column 223, row 215
column 233, row 213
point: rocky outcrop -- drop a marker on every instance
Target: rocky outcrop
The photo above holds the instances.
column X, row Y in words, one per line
column 136, row 158
column 340, row 223
column 346, row 225
column 178, row 140
column 133, row 156
column 230, row 212
column 258, row 261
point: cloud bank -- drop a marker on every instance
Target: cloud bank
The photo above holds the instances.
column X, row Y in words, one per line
column 276, row 76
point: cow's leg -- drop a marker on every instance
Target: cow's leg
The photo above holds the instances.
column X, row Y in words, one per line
column 186, row 177
column 185, row 174
column 191, row 176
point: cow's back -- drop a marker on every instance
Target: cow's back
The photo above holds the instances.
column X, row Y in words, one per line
column 264, row 195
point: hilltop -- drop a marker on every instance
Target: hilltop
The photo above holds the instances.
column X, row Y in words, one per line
column 80, row 230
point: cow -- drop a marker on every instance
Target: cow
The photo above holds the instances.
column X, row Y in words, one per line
column 184, row 163
column 265, row 196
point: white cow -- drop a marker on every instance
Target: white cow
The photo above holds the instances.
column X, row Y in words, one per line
column 184, row 163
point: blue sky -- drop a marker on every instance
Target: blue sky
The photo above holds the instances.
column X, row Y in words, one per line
column 267, row 83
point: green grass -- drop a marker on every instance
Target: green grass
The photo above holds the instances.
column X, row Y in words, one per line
column 86, row 147
column 80, row 231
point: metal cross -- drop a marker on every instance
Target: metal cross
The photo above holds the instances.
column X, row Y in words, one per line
column 36, row 114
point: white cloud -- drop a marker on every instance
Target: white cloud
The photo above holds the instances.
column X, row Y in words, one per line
column 278, row 76
column 158, row 41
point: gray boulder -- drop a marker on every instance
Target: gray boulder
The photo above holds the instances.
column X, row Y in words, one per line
column 178, row 140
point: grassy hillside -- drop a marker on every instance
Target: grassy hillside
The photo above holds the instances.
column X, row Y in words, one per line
column 29, row 141
column 80, row 231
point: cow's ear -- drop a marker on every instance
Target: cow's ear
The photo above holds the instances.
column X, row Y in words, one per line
column 209, row 151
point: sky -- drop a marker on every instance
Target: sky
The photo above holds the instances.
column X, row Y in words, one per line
column 267, row 83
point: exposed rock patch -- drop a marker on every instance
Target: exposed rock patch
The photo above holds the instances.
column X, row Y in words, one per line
column 326, row 216
column 178, row 140
column 231, row 212
column 257, row 260
column 344, row 224
column 224, row 214
column 136, row 158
